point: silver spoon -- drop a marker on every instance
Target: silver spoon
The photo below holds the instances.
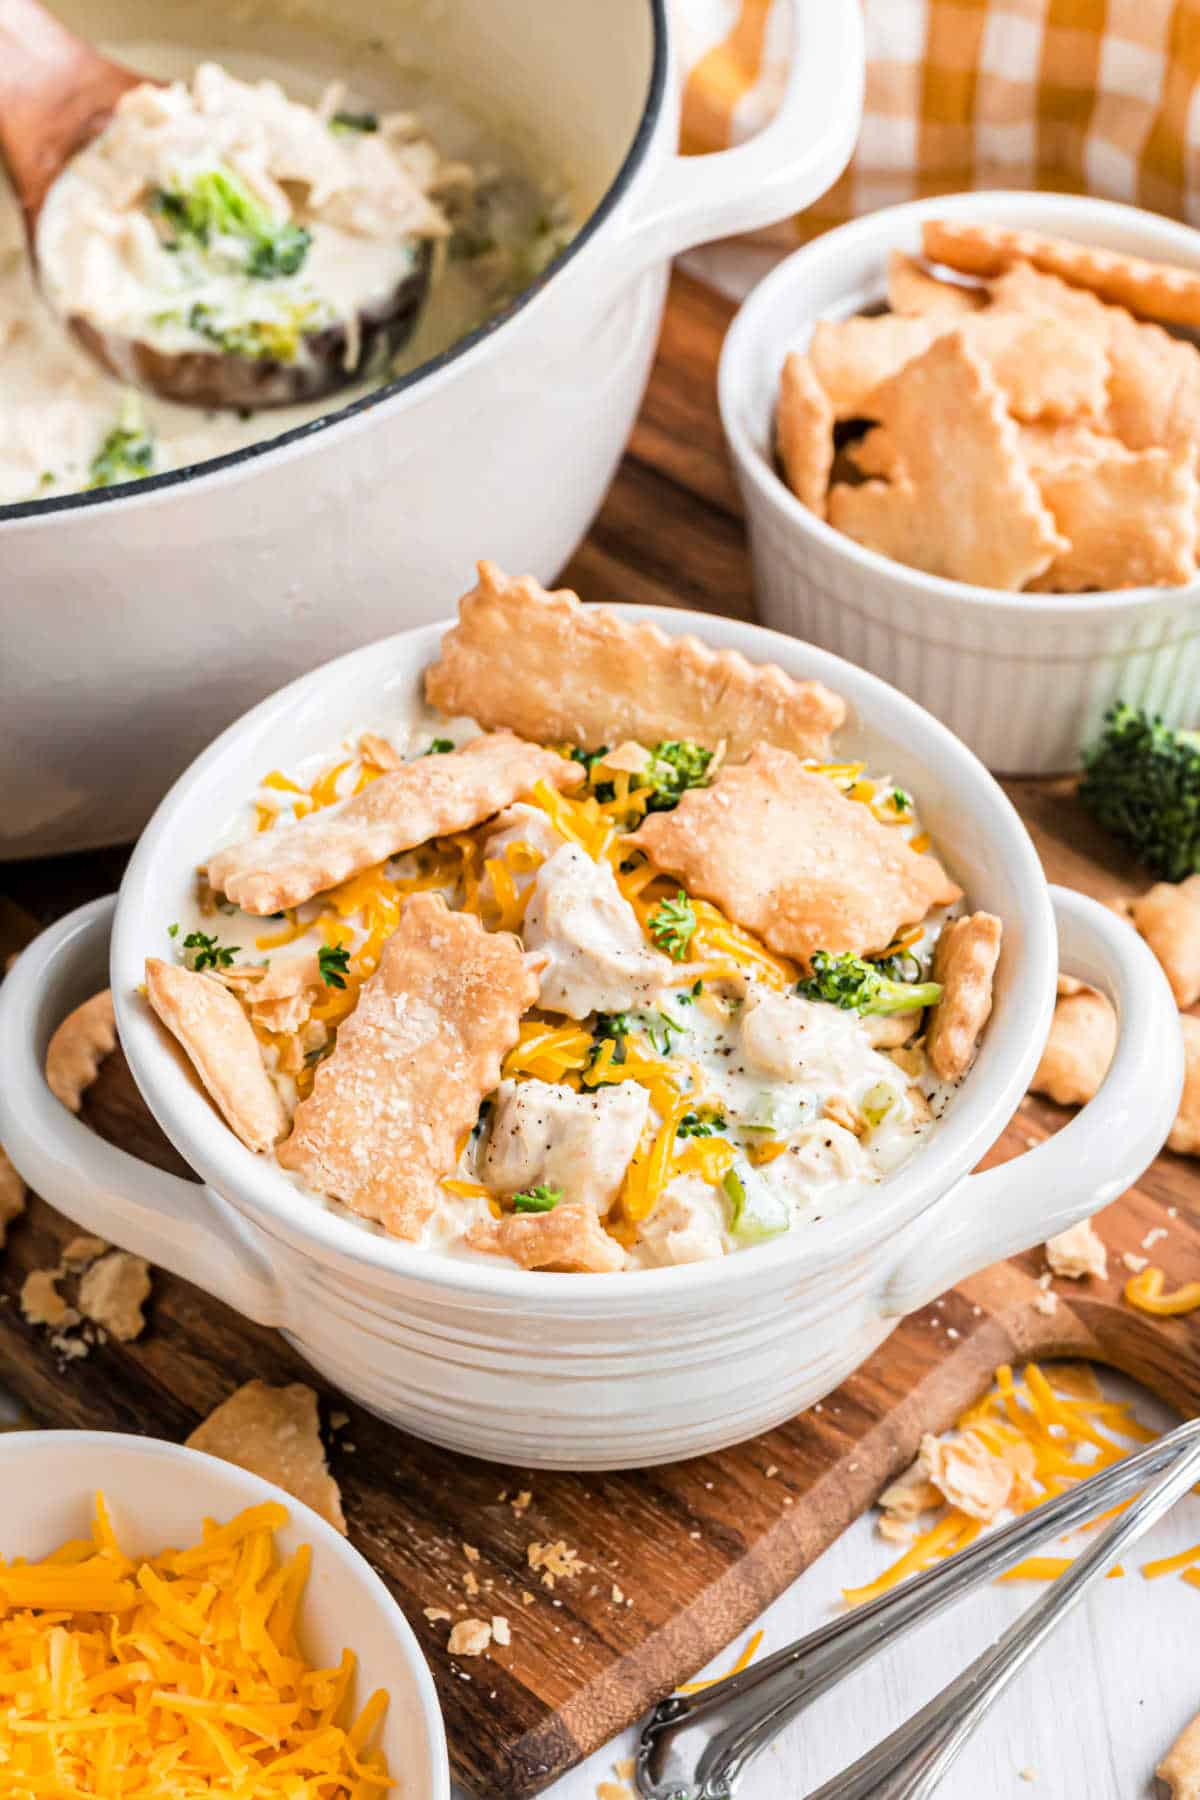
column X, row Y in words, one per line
column 56, row 94
column 908, row 1765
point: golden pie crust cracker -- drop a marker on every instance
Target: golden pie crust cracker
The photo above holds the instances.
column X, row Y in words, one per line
column 1080, row 1047
column 570, row 1237
column 274, row 1432
column 914, row 292
column 1185, row 1133
column 1043, row 366
column 1153, row 387
column 544, row 665
column 1158, row 290
column 78, row 1047
column 964, row 961
column 411, row 1065
column 1129, row 521
column 783, row 852
column 1167, row 916
column 220, row 1044
column 804, row 432
column 1180, row 1767
column 968, row 508
column 430, row 797
column 13, row 1194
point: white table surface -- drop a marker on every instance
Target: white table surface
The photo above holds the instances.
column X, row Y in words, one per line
column 1086, row 1720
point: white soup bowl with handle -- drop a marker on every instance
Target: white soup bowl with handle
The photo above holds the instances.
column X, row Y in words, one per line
column 591, row 1371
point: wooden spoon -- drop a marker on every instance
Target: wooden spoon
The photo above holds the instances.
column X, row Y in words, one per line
column 56, row 94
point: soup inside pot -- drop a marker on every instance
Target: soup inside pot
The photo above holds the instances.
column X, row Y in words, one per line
column 67, row 425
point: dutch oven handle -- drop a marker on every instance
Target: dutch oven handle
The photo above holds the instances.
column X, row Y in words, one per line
column 795, row 158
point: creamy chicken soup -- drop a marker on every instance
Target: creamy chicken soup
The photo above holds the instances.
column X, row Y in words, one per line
column 584, row 1007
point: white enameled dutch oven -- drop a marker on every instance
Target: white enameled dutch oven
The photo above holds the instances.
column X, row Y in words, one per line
column 1024, row 679
column 136, row 622
column 160, row 1493
column 592, row 1371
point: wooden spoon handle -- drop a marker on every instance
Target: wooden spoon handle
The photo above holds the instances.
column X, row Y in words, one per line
column 56, row 92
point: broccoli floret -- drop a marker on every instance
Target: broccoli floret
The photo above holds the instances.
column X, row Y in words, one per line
column 343, row 122
column 216, row 205
column 678, row 765
column 848, row 982
column 1142, row 781
column 258, row 339
column 333, row 962
column 672, row 925
column 609, row 1025
column 537, row 1200
column 127, row 453
column 704, row 1122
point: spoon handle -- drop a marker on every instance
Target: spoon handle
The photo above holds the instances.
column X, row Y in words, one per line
column 56, row 92
column 750, row 1709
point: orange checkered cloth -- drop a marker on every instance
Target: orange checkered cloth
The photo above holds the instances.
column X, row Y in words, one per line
column 1076, row 96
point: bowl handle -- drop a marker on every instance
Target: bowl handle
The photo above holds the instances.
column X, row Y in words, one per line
column 1096, row 1156
column 179, row 1225
column 784, row 167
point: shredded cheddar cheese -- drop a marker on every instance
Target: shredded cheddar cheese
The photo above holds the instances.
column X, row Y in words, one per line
column 712, row 1158
column 175, row 1678
column 650, row 1168
column 717, row 938
column 1145, row 1291
column 743, row 1662
column 581, row 822
column 1062, row 1429
column 1171, row 1565
column 546, row 1051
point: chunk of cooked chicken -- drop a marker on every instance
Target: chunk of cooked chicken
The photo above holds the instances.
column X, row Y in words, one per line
column 796, row 1040
column 598, row 960
column 522, row 824
column 579, row 1143
column 788, row 1037
column 684, row 1227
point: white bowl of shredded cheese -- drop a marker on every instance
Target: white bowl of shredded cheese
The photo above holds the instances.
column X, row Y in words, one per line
column 157, row 1495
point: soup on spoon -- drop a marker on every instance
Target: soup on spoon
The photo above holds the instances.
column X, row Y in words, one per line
column 225, row 246
column 188, row 268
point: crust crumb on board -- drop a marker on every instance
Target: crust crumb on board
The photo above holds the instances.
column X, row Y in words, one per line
column 112, row 1291
column 1077, row 1252
column 470, row 1637
column 41, row 1302
column 555, row 1561
column 112, row 1287
column 273, row 1432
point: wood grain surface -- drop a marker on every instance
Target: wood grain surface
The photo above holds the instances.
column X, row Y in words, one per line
column 678, row 1558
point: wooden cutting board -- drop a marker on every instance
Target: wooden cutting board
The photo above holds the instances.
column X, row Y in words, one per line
column 679, row 1559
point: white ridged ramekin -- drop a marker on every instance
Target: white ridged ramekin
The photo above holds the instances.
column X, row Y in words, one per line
column 1024, row 679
